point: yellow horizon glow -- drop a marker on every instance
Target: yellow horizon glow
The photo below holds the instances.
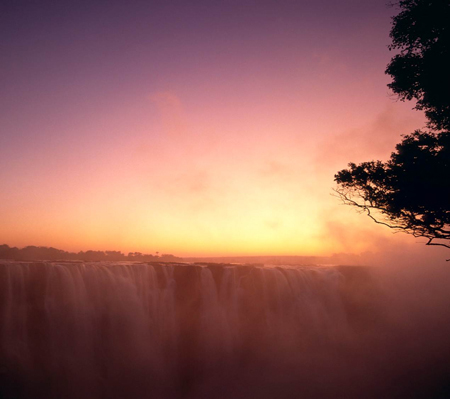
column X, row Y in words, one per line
column 230, row 149
column 201, row 194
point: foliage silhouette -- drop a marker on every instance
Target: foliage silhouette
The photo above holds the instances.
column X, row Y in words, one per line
column 411, row 191
column 48, row 253
column 421, row 32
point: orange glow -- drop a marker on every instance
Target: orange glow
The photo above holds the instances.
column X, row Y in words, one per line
column 221, row 147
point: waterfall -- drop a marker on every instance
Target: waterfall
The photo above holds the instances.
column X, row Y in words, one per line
column 123, row 330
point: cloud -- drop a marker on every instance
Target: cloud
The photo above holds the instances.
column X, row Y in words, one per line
column 351, row 237
column 375, row 141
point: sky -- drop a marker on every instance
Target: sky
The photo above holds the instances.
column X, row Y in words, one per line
column 193, row 127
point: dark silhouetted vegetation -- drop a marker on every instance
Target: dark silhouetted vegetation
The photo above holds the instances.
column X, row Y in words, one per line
column 49, row 253
column 411, row 191
column 421, row 32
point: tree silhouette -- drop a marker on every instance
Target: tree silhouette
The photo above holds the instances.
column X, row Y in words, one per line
column 411, row 191
column 421, row 33
column 48, row 253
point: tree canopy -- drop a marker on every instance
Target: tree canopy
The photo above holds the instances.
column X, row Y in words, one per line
column 411, row 191
column 420, row 71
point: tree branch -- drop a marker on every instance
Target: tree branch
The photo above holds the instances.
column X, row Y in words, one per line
column 410, row 225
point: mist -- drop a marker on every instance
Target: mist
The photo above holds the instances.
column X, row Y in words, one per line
column 162, row 330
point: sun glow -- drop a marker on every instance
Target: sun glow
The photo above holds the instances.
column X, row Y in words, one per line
column 214, row 147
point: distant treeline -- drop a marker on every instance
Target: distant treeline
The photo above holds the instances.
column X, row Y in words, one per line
column 49, row 253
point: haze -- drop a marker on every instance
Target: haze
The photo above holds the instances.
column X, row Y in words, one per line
column 196, row 129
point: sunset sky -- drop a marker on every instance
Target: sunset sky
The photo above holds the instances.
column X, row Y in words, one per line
column 193, row 127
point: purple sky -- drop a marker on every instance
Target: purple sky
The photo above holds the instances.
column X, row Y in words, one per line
column 203, row 127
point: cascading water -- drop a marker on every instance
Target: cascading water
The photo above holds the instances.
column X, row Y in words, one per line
column 121, row 330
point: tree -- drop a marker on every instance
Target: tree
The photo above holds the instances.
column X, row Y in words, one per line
column 411, row 191
column 421, row 33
